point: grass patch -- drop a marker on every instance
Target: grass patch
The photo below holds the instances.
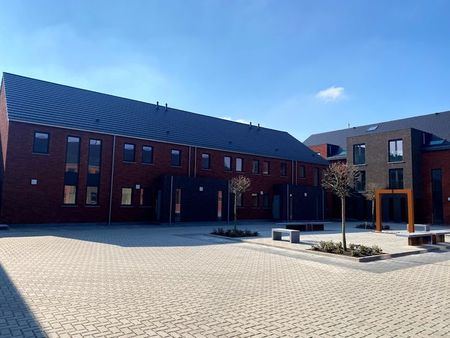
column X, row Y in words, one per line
column 234, row 232
column 354, row 250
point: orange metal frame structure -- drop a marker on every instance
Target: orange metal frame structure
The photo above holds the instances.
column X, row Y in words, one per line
column 409, row 194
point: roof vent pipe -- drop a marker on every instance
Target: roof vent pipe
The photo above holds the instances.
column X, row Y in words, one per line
column 250, row 124
column 157, row 104
column 166, row 107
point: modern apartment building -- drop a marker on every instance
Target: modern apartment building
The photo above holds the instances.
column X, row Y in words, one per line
column 411, row 153
column 74, row 155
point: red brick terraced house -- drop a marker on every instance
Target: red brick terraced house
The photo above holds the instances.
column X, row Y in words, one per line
column 412, row 153
column 74, row 155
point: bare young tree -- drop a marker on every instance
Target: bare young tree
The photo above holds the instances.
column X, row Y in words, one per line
column 370, row 196
column 339, row 178
column 238, row 185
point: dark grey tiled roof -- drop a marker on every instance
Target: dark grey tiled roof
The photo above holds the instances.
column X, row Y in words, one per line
column 437, row 124
column 35, row 101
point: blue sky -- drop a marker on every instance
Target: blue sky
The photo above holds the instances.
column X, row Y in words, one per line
column 300, row 66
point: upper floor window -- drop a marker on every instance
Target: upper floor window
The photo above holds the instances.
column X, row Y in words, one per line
column 206, row 161
column 395, row 150
column 359, row 153
column 227, row 163
column 360, row 183
column 255, row 167
column 128, row 152
column 316, row 178
column 239, row 164
column 71, row 170
column 72, row 154
column 396, row 179
column 147, row 154
column 93, row 176
column 175, row 159
column 302, row 171
column 40, row 143
column 283, row 169
column 266, row 168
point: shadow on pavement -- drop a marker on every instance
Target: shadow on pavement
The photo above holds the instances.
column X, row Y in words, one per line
column 16, row 319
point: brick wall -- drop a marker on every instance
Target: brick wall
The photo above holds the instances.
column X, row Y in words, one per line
column 26, row 203
column 435, row 160
column 320, row 148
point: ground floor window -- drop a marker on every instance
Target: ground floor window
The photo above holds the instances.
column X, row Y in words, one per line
column 219, row 204
column 92, row 195
column 126, row 196
column 70, row 194
column 255, row 200
column 266, row 202
column 145, row 197
column 178, row 201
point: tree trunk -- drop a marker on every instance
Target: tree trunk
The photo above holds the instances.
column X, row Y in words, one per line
column 235, row 212
column 344, row 242
column 373, row 212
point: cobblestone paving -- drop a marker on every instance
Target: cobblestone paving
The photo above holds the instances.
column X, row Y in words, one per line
column 176, row 282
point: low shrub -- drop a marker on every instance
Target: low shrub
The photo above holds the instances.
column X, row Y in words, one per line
column 355, row 250
column 362, row 250
column 234, row 233
column 371, row 226
column 329, row 246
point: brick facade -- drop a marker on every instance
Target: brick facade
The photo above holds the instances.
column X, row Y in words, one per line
column 43, row 203
column 417, row 164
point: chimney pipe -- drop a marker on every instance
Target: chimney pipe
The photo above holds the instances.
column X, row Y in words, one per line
column 166, row 107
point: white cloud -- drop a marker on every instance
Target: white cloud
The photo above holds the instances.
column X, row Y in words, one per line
column 331, row 94
column 235, row 120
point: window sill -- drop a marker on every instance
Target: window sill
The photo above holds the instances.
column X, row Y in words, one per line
column 145, row 163
column 360, row 165
column 92, row 206
column 396, row 162
column 176, row 166
column 205, row 169
column 127, row 206
column 33, row 153
column 69, row 205
column 129, row 162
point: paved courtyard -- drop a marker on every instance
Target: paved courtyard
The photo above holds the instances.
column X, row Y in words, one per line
column 147, row 281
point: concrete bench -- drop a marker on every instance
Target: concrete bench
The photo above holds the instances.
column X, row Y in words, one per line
column 438, row 236
column 294, row 235
column 417, row 238
column 421, row 227
column 302, row 226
